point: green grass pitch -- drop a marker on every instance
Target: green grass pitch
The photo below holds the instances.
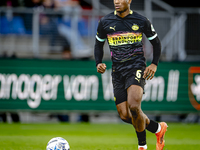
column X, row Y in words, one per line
column 94, row 136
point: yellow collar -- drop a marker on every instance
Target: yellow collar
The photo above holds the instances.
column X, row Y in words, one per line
column 115, row 12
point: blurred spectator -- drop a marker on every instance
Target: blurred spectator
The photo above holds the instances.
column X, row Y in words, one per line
column 48, row 26
column 78, row 46
column 9, row 3
column 69, row 7
column 66, row 3
column 32, row 3
column 68, row 27
column 66, row 53
column 48, row 4
column 85, row 5
column 28, row 17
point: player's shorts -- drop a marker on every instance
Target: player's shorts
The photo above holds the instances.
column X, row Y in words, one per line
column 123, row 77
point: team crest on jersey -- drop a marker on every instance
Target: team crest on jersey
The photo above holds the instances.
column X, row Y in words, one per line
column 135, row 27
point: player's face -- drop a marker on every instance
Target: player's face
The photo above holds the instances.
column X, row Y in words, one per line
column 121, row 5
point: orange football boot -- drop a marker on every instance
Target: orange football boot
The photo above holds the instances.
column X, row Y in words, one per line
column 160, row 136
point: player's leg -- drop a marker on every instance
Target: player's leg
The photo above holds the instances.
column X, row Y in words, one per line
column 124, row 112
column 123, row 109
column 141, row 122
column 135, row 93
column 159, row 130
column 120, row 97
column 134, row 102
column 125, row 115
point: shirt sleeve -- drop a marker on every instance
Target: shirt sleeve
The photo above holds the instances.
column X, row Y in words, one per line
column 101, row 35
column 149, row 31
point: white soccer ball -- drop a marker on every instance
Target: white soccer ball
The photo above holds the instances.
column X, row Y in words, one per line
column 58, row 143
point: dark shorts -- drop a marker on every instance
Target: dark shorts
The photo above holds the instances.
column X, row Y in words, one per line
column 123, row 77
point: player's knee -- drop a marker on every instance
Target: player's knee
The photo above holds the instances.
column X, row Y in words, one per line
column 135, row 110
column 134, row 106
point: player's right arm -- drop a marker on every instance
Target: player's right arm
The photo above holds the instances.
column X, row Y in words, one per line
column 98, row 50
column 101, row 68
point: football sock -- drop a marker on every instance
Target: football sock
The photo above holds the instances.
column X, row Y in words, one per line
column 159, row 128
column 145, row 146
column 141, row 138
column 153, row 127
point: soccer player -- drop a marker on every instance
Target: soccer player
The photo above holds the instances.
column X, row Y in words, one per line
column 124, row 30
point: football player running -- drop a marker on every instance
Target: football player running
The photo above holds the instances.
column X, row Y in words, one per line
column 124, row 29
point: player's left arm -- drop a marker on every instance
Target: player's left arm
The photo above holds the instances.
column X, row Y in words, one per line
column 151, row 69
column 153, row 38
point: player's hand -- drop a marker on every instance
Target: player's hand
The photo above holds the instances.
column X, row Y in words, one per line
column 150, row 72
column 101, row 68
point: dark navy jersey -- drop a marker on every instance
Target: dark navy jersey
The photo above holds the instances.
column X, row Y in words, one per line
column 124, row 35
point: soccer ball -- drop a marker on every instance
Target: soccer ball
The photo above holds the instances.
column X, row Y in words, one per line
column 58, row 143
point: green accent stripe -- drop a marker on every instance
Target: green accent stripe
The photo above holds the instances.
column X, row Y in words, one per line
column 100, row 40
column 153, row 37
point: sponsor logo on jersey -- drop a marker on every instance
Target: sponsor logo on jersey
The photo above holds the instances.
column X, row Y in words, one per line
column 113, row 28
column 123, row 38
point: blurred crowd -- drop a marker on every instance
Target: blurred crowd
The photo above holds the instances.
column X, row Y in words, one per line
column 56, row 4
column 57, row 28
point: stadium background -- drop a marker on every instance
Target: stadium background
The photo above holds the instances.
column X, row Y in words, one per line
column 47, row 68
